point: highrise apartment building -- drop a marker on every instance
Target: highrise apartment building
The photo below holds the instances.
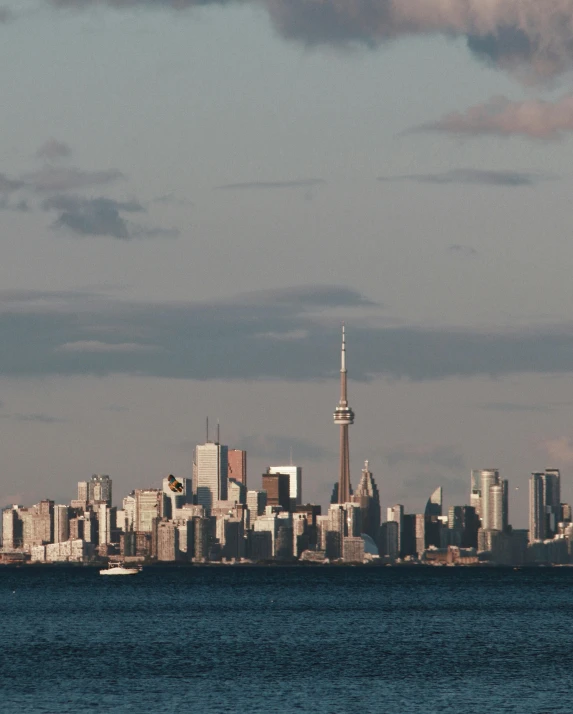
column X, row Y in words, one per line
column 494, row 502
column 210, row 474
column 147, row 507
column 97, row 489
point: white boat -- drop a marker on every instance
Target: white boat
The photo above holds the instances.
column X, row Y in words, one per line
column 119, row 569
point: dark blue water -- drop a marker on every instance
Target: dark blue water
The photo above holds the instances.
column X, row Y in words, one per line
column 419, row 640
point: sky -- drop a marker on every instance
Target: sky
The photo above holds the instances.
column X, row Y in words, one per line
column 195, row 195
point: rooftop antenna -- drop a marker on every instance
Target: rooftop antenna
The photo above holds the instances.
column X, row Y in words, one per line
column 291, row 455
column 218, row 432
column 207, row 431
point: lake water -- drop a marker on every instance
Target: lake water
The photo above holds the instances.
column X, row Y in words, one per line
column 287, row 639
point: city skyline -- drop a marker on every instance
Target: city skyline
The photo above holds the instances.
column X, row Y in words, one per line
column 215, row 516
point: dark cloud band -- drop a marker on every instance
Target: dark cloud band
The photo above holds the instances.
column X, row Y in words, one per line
column 531, row 36
column 268, row 335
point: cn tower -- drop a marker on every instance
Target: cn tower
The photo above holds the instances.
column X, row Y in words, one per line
column 343, row 417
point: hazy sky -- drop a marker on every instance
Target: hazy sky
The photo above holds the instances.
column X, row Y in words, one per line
column 194, row 195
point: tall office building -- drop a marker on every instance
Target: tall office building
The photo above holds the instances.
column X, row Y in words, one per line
column 552, row 500
column 536, row 508
column 237, row 465
column 432, row 515
column 210, row 474
column 295, row 481
column 343, row 417
column 277, row 486
column 396, row 514
column 367, row 496
column 61, row 524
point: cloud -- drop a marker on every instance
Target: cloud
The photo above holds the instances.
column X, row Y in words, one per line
column 8, row 185
column 559, row 450
column 301, row 183
column 516, row 407
column 52, row 150
column 474, row 177
column 38, row 418
column 530, row 37
column 52, row 179
column 22, row 205
column 102, row 347
column 462, row 251
column 236, row 339
column 6, row 15
column 444, row 456
column 92, row 216
column 532, row 118
column 278, row 448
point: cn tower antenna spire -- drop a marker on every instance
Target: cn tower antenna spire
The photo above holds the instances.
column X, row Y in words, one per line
column 343, row 417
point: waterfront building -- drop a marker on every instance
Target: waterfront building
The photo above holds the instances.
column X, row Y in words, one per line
column 343, row 417
column 167, row 541
column 353, row 549
column 237, row 465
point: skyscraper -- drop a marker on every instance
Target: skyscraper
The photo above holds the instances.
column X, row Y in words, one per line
column 343, row 417
column 61, row 523
column 368, row 498
column 396, row 514
column 237, row 464
column 551, row 500
column 488, row 478
column 210, row 474
column 295, row 481
column 99, row 488
column 277, row 487
column 536, row 508
column 475, row 490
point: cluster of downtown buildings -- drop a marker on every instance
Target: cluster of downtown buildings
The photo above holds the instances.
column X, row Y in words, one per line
column 215, row 517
